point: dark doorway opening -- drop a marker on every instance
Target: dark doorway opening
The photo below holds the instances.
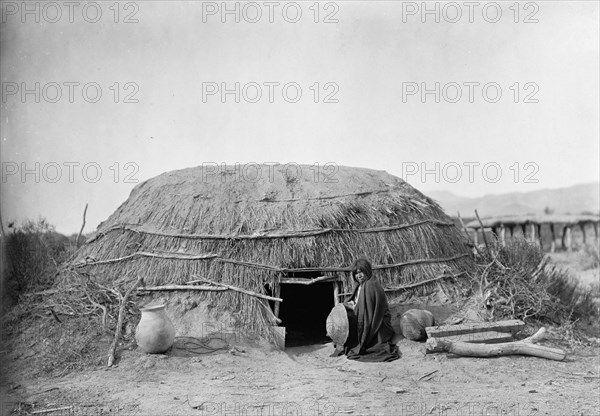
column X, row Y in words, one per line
column 304, row 311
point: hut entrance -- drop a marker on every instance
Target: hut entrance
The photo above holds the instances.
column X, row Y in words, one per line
column 304, row 311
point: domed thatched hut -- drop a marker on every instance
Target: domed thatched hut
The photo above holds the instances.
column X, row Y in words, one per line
column 272, row 230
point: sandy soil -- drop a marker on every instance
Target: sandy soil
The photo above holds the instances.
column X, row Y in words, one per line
column 305, row 380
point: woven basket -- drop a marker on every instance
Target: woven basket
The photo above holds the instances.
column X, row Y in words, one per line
column 337, row 324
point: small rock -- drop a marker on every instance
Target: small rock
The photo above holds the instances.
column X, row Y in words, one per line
column 397, row 390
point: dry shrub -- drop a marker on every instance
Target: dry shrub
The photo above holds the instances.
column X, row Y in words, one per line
column 523, row 284
column 34, row 252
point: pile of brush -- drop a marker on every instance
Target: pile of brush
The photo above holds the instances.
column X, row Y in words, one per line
column 518, row 281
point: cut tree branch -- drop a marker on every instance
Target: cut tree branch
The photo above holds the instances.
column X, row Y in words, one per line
column 113, row 347
column 82, row 226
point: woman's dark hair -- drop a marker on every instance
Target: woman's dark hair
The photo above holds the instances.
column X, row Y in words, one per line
column 364, row 266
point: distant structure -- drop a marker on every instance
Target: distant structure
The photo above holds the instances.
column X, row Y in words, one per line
column 531, row 227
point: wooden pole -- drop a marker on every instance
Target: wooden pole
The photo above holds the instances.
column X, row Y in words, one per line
column 474, row 241
column 336, row 293
column 569, row 238
column 553, row 232
column 502, row 235
column 495, row 350
column 563, row 238
column 595, row 229
column 582, row 225
column 482, row 231
column 532, row 233
column 124, row 299
column 82, row 226
column 539, row 234
column 277, row 293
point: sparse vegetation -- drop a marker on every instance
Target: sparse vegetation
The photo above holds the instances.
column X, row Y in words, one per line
column 34, row 251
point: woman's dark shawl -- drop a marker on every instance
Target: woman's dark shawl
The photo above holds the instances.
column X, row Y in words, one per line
column 374, row 332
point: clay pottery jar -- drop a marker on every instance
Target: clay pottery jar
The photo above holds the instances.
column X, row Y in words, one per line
column 155, row 333
column 413, row 323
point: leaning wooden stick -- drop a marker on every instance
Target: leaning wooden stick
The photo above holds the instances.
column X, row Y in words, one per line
column 82, row 226
column 486, row 242
column 467, row 233
column 113, row 347
column 523, row 347
column 482, row 231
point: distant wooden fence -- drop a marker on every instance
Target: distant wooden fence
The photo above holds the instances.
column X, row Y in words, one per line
column 531, row 227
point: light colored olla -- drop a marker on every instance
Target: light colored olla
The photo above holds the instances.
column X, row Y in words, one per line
column 155, row 333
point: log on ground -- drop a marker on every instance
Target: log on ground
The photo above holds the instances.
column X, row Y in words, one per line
column 510, row 326
column 523, row 347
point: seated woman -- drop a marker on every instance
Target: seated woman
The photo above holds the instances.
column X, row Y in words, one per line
column 371, row 332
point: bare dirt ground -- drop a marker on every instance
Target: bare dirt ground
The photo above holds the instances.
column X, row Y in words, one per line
column 307, row 381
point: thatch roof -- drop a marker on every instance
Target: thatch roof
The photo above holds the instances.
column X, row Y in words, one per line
column 235, row 228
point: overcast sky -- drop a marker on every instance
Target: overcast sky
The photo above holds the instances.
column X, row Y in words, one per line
column 121, row 102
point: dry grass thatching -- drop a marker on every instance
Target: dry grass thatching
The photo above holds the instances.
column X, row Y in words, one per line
column 227, row 227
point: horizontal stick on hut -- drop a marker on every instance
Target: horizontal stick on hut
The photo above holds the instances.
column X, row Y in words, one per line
column 227, row 287
column 298, row 281
column 54, row 409
column 172, row 256
column 182, row 287
column 378, row 266
column 281, row 234
column 409, row 286
column 523, row 347
column 424, row 282
column 215, row 258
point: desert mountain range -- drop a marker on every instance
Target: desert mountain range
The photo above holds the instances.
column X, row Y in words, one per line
column 582, row 198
